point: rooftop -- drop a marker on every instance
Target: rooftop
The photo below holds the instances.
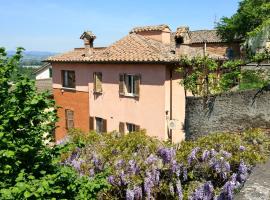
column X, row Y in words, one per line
column 138, row 48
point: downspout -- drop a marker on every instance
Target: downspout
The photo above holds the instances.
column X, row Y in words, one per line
column 170, row 134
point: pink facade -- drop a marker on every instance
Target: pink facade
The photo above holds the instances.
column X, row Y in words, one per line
column 151, row 110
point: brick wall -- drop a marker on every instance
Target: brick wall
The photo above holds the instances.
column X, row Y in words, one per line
column 219, row 48
column 73, row 100
column 227, row 112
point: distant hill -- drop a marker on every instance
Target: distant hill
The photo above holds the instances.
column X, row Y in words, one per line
column 33, row 58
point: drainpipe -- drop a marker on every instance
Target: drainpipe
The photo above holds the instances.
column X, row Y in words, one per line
column 170, row 134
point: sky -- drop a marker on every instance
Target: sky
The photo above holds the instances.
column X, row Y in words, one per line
column 56, row 25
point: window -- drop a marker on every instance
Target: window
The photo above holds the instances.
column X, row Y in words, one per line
column 68, row 79
column 101, row 125
column 129, row 85
column 98, row 82
column 179, row 40
column 69, row 118
column 230, row 53
column 50, row 72
column 132, row 127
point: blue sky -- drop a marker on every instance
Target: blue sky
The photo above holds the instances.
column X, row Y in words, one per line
column 56, row 25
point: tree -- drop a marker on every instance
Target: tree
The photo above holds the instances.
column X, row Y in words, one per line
column 250, row 15
column 29, row 166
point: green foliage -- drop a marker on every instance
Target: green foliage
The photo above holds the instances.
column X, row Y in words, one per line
column 204, row 76
column 120, row 155
column 25, row 71
column 251, row 79
column 256, row 142
column 250, row 15
column 29, row 166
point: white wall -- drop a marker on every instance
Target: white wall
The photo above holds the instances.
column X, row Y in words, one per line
column 44, row 74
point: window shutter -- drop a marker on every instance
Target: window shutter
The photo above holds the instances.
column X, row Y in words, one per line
column 122, row 128
column 137, row 84
column 121, row 84
column 137, row 128
column 71, row 77
column 69, row 119
column 97, row 82
column 104, row 124
column 91, row 123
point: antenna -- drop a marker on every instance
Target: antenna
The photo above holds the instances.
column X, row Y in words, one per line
column 215, row 20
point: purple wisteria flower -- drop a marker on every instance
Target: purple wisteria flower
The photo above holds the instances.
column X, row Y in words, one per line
column 192, row 155
column 179, row 189
column 175, row 168
column 92, row 172
column 111, row 180
column 148, row 185
column 138, row 192
column 242, row 148
column 129, row 194
column 185, row 174
column 205, row 155
column 228, row 189
column 204, row 192
column 225, row 154
column 213, row 152
column 119, row 163
column 133, row 168
column 221, row 166
column 242, row 172
column 151, row 159
column 167, row 154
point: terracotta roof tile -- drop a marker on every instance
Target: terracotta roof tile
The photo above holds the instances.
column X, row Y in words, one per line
column 210, row 36
column 132, row 48
column 149, row 28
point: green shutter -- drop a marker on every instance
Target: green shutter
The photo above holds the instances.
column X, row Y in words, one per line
column 137, row 82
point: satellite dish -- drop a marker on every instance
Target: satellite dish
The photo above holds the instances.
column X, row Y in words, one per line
column 172, row 124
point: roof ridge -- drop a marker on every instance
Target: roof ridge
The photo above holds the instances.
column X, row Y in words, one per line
column 204, row 30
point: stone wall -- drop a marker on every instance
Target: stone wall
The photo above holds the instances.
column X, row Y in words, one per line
column 233, row 111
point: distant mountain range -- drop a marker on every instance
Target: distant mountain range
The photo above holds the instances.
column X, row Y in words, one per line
column 33, row 57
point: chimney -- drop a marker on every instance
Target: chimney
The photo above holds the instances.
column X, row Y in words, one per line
column 182, row 35
column 88, row 38
column 161, row 33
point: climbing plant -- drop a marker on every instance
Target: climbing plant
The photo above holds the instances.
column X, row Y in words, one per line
column 204, row 76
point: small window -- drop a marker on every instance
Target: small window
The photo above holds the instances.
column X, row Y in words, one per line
column 101, row 125
column 131, row 127
column 50, row 72
column 98, row 82
column 68, row 79
column 179, row 40
column 129, row 85
column 69, row 118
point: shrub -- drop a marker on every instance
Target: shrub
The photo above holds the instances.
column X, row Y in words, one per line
column 140, row 166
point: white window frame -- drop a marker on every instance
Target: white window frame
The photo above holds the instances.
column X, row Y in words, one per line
column 132, row 86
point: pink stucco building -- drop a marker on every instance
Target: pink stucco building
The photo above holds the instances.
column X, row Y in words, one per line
column 131, row 84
